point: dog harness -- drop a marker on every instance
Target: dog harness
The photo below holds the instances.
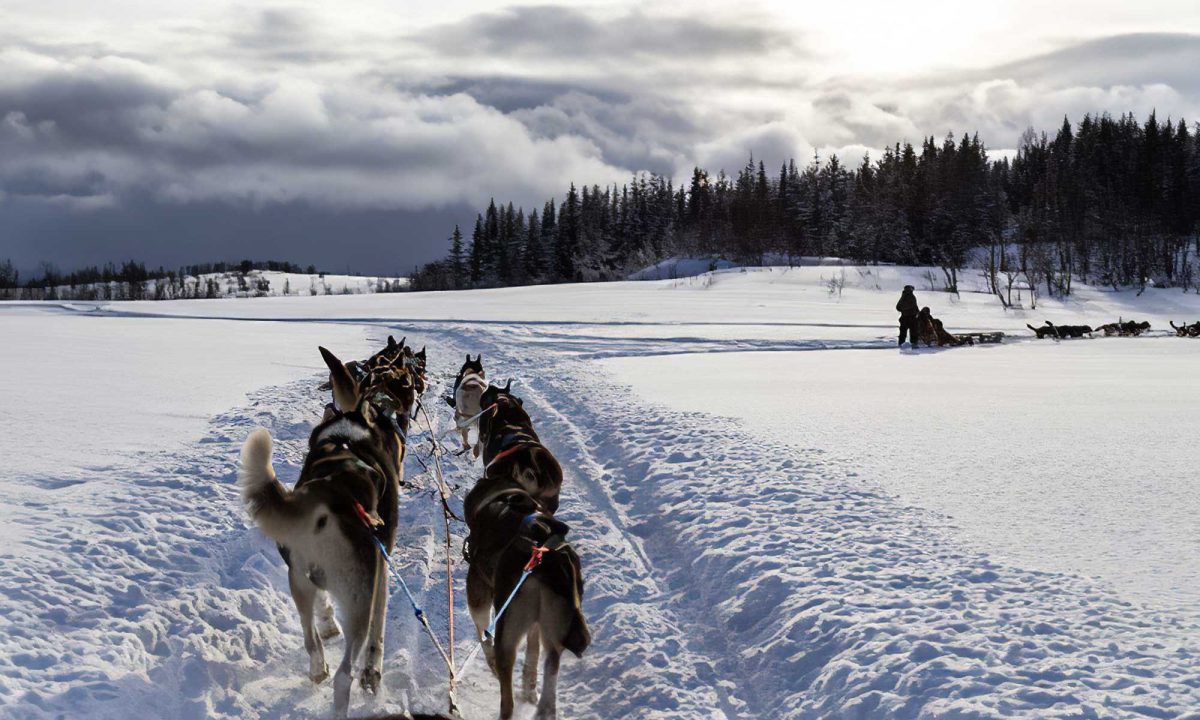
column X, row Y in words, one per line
column 554, row 543
column 511, row 443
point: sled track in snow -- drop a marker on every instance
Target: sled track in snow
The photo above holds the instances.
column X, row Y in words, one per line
column 726, row 577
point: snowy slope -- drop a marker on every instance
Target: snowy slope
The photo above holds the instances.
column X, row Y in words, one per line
column 256, row 283
column 747, row 555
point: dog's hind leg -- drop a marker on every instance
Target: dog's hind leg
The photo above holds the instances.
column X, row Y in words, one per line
column 479, row 602
column 327, row 626
column 303, row 593
column 533, row 648
column 356, row 624
column 516, row 624
column 372, row 672
column 506, row 658
column 547, row 708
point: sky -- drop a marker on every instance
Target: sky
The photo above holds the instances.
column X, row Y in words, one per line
column 354, row 135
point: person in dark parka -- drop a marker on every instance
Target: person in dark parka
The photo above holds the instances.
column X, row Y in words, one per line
column 908, row 309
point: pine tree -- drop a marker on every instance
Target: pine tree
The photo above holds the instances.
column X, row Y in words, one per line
column 532, row 255
column 567, row 238
column 457, row 260
column 478, row 241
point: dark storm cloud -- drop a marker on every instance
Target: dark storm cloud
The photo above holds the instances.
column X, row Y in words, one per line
column 142, row 228
column 279, row 134
column 567, row 34
column 92, row 107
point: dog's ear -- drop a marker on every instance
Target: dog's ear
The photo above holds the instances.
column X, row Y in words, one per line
column 401, row 343
column 508, row 385
column 345, row 390
column 367, row 410
column 468, row 357
column 391, row 343
column 422, row 353
column 478, row 358
column 521, row 402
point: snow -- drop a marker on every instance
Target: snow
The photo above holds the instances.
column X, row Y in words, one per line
column 137, row 384
column 1068, row 458
column 751, row 546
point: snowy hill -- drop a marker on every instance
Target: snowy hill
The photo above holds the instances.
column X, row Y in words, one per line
column 255, row 283
column 779, row 514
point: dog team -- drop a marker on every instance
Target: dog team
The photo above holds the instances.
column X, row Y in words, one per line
column 920, row 326
column 334, row 526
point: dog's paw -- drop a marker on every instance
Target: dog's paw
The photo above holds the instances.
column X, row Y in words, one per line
column 370, row 680
column 320, row 675
column 529, row 695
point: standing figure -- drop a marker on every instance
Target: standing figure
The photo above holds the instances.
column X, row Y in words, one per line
column 908, row 309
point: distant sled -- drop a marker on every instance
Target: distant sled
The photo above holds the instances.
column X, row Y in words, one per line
column 981, row 338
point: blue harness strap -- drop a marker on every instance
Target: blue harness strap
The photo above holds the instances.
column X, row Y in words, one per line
column 412, row 601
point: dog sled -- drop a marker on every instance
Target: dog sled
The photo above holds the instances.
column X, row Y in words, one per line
column 981, row 338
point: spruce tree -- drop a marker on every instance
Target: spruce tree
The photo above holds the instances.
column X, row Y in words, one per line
column 478, row 241
column 457, row 260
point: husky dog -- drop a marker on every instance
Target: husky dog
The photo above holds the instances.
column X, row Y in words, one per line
column 1125, row 328
column 1071, row 331
column 506, row 527
column 468, row 388
column 330, row 525
column 1186, row 330
column 511, row 447
column 359, row 369
column 509, row 512
column 1044, row 332
column 392, row 379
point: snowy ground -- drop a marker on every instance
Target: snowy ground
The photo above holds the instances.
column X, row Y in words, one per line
column 753, row 548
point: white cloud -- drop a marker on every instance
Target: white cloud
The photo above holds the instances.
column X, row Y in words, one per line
column 356, row 110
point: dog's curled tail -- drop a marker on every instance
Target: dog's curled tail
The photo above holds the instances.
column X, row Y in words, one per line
column 263, row 496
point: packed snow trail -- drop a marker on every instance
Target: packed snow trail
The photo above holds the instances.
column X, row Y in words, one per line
column 727, row 576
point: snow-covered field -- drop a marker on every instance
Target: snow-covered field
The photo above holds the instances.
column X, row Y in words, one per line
column 780, row 515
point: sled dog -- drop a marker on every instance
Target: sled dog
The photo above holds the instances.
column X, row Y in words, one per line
column 464, row 398
column 1044, row 332
column 330, row 524
column 1071, row 331
column 1124, row 328
column 1186, row 330
column 509, row 512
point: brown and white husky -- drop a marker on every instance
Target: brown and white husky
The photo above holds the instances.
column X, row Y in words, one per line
column 330, row 524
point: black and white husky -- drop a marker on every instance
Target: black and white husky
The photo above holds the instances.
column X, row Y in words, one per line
column 468, row 388
column 330, row 524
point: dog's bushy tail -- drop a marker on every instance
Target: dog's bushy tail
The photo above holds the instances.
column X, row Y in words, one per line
column 264, row 497
column 578, row 636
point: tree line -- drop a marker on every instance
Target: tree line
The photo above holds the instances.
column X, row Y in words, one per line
column 133, row 281
column 1109, row 200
